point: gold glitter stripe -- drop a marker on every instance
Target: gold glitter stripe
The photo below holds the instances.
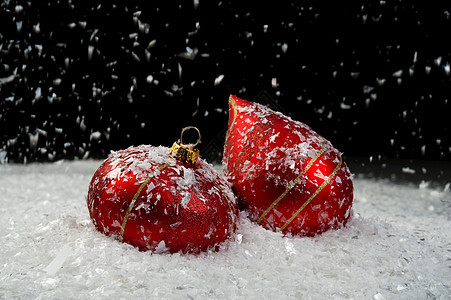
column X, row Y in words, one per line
column 127, row 214
column 235, row 109
column 293, row 183
column 314, row 195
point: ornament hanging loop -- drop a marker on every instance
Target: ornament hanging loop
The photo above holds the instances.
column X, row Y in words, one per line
column 187, row 153
column 187, row 128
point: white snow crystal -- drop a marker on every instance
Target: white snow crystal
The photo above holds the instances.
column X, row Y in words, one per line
column 161, row 248
column 289, row 246
column 196, row 4
column 438, row 61
column 19, row 26
column 319, row 174
column 37, row 93
column 189, row 177
column 397, row 73
column 345, row 106
column 189, row 53
column 408, row 170
column 95, row 136
column 56, row 264
column 90, row 52
column 185, row 199
column 34, row 138
column 378, row 296
column 274, row 83
column 18, row 8
column 273, row 137
column 284, row 47
column 151, row 44
column 8, row 78
column 3, row 155
column 219, row 79
column 447, row 69
column 381, row 81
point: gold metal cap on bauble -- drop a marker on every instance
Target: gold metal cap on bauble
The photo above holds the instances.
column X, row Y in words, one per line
column 187, row 153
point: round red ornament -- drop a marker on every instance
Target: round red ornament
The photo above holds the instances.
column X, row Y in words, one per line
column 161, row 199
column 288, row 177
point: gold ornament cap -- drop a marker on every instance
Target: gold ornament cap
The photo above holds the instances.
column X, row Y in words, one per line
column 187, row 153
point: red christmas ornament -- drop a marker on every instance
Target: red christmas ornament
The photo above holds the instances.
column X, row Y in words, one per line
column 162, row 199
column 288, row 178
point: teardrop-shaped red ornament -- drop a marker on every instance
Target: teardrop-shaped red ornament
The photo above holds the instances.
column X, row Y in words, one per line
column 288, row 177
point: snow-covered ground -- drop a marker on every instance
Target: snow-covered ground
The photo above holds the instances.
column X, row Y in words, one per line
column 396, row 246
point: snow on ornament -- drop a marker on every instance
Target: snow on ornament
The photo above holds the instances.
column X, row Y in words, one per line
column 163, row 200
column 286, row 176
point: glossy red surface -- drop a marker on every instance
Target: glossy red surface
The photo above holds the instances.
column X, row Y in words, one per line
column 181, row 207
column 285, row 175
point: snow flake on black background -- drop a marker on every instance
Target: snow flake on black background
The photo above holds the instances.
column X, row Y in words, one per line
column 81, row 78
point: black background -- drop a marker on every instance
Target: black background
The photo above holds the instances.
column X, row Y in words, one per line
column 373, row 77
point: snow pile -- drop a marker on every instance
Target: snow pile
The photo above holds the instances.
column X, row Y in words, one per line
column 397, row 245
